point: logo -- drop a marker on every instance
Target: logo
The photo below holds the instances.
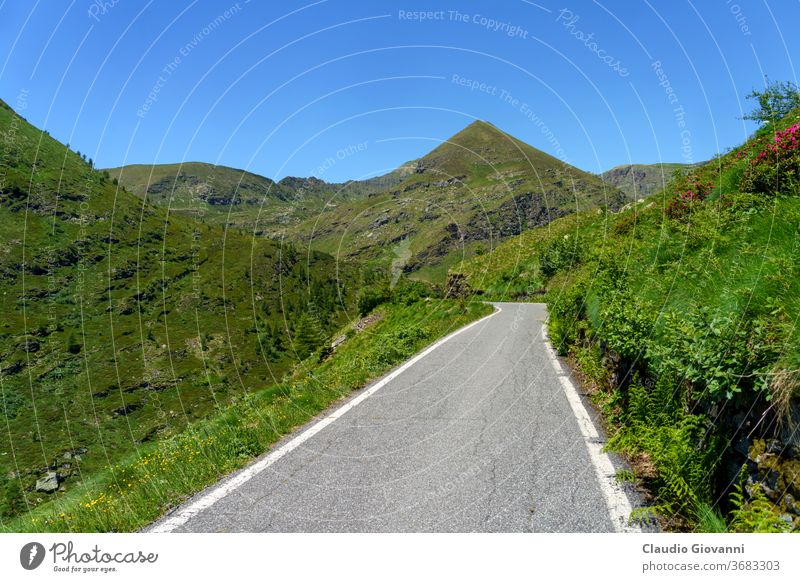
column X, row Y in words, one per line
column 31, row 555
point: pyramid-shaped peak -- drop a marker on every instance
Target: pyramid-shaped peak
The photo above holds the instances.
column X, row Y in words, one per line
column 480, row 127
column 479, row 123
column 482, row 143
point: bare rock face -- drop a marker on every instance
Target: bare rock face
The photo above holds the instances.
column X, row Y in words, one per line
column 642, row 180
column 774, row 465
column 49, row 483
column 456, row 286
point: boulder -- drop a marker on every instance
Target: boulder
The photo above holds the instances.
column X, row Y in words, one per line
column 30, row 345
column 456, row 286
column 49, row 483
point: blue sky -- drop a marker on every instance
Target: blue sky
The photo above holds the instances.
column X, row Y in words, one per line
column 344, row 89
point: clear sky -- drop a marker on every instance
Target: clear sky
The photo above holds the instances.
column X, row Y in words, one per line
column 346, row 89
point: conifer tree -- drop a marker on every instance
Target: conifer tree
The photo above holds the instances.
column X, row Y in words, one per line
column 307, row 335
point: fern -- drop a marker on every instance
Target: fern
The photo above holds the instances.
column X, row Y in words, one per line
column 754, row 512
column 677, row 443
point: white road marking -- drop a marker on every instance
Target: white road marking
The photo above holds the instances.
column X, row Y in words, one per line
column 184, row 514
column 617, row 502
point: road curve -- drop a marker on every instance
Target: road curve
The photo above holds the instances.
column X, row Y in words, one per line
column 479, row 435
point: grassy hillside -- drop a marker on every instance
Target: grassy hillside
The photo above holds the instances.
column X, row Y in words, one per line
column 227, row 196
column 183, row 187
column 253, row 203
column 642, row 180
column 681, row 312
column 121, row 324
column 512, row 271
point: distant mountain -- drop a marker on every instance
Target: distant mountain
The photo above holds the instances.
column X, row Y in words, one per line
column 121, row 323
column 474, row 190
column 642, row 180
column 190, row 186
column 187, row 186
column 220, row 194
column 477, row 188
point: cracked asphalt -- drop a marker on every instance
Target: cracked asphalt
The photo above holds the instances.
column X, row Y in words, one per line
column 477, row 436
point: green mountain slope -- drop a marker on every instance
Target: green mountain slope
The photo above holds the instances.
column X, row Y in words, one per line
column 476, row 189
column 681, row 313
column 223, row 195
column 121, row 323
column 188, row 186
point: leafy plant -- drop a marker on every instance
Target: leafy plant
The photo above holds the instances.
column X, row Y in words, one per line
column 687, row 200
column 677, row 444
column 715, row 352
column 753, row 512
column 776, row 168
column 371, row 297
column 560, row 254
column 625, row 476
column 774, row 102
column 566, row 313
column 626, row 325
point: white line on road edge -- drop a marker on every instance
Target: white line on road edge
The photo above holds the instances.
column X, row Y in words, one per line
column 182, row 515
column 617, row 502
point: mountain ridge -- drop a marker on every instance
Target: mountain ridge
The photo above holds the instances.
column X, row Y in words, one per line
column 477, row 187
column 643, row 180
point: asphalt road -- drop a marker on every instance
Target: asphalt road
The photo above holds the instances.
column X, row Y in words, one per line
column 477, row 436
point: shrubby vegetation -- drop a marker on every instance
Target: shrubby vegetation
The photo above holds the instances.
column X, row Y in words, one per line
column 405, row 292
column 775, row 101
column 371, row 297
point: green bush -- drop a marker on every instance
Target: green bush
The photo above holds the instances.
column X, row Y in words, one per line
column 12, row 499
column 371, row 297
column 626, row 325
column 775, row 169
column 566, row 315
column 407, row 292
column 688, row 198
column 715, row 352
column 560, row 254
